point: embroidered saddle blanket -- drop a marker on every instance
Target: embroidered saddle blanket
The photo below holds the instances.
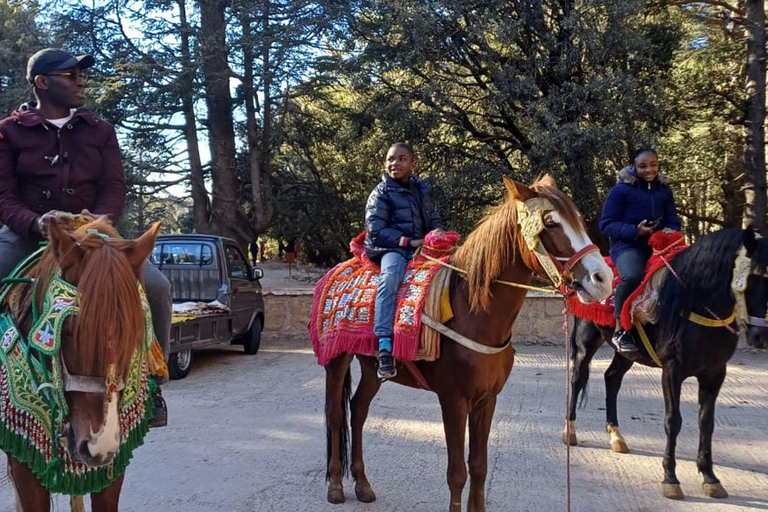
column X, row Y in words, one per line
column 343, row 307
column 641, row 305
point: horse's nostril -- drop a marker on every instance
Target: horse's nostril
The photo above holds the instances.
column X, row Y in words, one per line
column 597, row 277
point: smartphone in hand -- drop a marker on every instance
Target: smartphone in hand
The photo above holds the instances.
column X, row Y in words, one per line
column 654, row 223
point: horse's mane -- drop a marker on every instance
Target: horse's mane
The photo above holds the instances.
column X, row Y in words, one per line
column 705, row 271
column 110, row 324
column 494, row 243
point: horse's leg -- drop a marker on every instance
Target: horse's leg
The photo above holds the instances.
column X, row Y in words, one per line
column 455, row 412
column 76, row 504
column 479, row 429
column 367, row 388
column 108, row 499
column 709, row 388
column 337, row 384
column 613, row 377
column 585, row 340
column 31, row 496
column 672, row 383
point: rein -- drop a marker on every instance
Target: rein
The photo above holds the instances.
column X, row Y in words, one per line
column 531, row 222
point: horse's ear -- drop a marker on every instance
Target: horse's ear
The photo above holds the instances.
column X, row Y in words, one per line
column 64, row 246
column 749, row 240
column 141, row 248
column 548, row 181
column 517, row 190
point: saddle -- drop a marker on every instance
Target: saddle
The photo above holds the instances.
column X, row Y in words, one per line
column 343, row 305
column 641, row 305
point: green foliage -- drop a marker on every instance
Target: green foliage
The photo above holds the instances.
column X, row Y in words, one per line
column 480, row 88
column 21, row 35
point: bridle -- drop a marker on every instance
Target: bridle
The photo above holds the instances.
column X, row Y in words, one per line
column 558, row 269
column 742, row 269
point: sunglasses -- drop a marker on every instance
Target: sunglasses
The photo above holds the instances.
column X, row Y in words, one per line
column 71, row 75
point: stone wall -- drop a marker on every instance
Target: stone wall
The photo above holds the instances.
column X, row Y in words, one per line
column 539, row 322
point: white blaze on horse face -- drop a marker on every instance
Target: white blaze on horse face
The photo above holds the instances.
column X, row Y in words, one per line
column 597, row 284
column 103, row 444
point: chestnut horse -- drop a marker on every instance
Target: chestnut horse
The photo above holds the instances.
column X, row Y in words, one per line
column 99, row 341
column 467, row 382
column 701, row 284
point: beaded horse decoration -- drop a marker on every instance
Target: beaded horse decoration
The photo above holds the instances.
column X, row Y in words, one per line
column 35, row 412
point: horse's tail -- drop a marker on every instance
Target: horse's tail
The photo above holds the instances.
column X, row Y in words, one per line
column 346, row 397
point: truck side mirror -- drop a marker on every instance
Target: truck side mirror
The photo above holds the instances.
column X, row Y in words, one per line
column 256, row 274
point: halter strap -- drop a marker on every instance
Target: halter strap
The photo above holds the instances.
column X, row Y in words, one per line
column 83, row 384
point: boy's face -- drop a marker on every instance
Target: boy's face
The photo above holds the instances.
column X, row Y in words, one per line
column 399, row 164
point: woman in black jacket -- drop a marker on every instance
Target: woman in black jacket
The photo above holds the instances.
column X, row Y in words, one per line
column 398, row 215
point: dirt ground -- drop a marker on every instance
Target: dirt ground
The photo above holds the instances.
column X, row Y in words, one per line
column 246, row 434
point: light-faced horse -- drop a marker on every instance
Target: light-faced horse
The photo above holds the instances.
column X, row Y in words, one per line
column 702, row 285
column 467, row 382
column 96, row 348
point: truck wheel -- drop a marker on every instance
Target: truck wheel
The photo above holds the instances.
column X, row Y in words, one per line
column 179, row 364
column 252, row 339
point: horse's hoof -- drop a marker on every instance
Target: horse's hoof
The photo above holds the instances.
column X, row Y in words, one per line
column 672, row 491
column 336, row 494
column 364, row 493
column 570, row 440
column 619, row 446
column 714, row 490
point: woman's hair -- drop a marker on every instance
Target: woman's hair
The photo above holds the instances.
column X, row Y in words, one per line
column 405, row 146
column 640, row 151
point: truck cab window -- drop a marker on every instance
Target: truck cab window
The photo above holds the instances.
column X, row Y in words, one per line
column 238, row 268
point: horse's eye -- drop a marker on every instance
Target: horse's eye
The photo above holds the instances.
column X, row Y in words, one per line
column 550, row 224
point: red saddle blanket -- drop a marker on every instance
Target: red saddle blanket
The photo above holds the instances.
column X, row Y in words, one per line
column 665, row 246
column 343, row 304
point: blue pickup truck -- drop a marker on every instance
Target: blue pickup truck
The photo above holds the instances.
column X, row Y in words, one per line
column 211, row 276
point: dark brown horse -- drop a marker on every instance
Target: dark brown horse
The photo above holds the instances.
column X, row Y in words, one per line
column 467, row 382
column 102, row 338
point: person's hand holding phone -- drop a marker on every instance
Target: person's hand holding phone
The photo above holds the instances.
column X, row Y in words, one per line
column 646, row 228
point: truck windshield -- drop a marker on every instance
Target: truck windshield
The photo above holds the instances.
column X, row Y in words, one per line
column 182, row 254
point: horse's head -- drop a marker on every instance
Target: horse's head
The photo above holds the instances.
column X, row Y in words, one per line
column 545, row 212
column 98, row 343
column 756, row 292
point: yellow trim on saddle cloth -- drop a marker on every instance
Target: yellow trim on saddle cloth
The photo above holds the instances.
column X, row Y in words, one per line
column 647, row 344
column 446, row 311
column 712, row 322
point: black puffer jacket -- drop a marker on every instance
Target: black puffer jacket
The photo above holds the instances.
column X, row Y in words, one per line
column 397, row 213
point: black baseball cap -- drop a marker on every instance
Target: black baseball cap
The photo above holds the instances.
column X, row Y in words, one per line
column 51, row 59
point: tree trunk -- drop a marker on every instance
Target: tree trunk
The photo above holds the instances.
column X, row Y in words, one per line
column 228, row 218
column 733, row 196
column 201, row 204
column 754, row 154
column 261, row 173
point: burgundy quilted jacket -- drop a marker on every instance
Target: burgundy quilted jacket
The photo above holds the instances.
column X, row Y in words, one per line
column 43, row 168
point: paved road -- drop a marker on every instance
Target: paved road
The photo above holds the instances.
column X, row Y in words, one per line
column 247, row 435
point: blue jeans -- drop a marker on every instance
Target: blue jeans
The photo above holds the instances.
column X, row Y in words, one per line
column 631, row 267
column 392, row 271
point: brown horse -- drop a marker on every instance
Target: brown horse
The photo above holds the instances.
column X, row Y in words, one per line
column 467, row 382
column 99, row 341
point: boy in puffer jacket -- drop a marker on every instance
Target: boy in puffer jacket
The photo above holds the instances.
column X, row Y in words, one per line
column 398, row 215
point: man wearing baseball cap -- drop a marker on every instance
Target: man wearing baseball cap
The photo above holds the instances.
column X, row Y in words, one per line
column 60, row 157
